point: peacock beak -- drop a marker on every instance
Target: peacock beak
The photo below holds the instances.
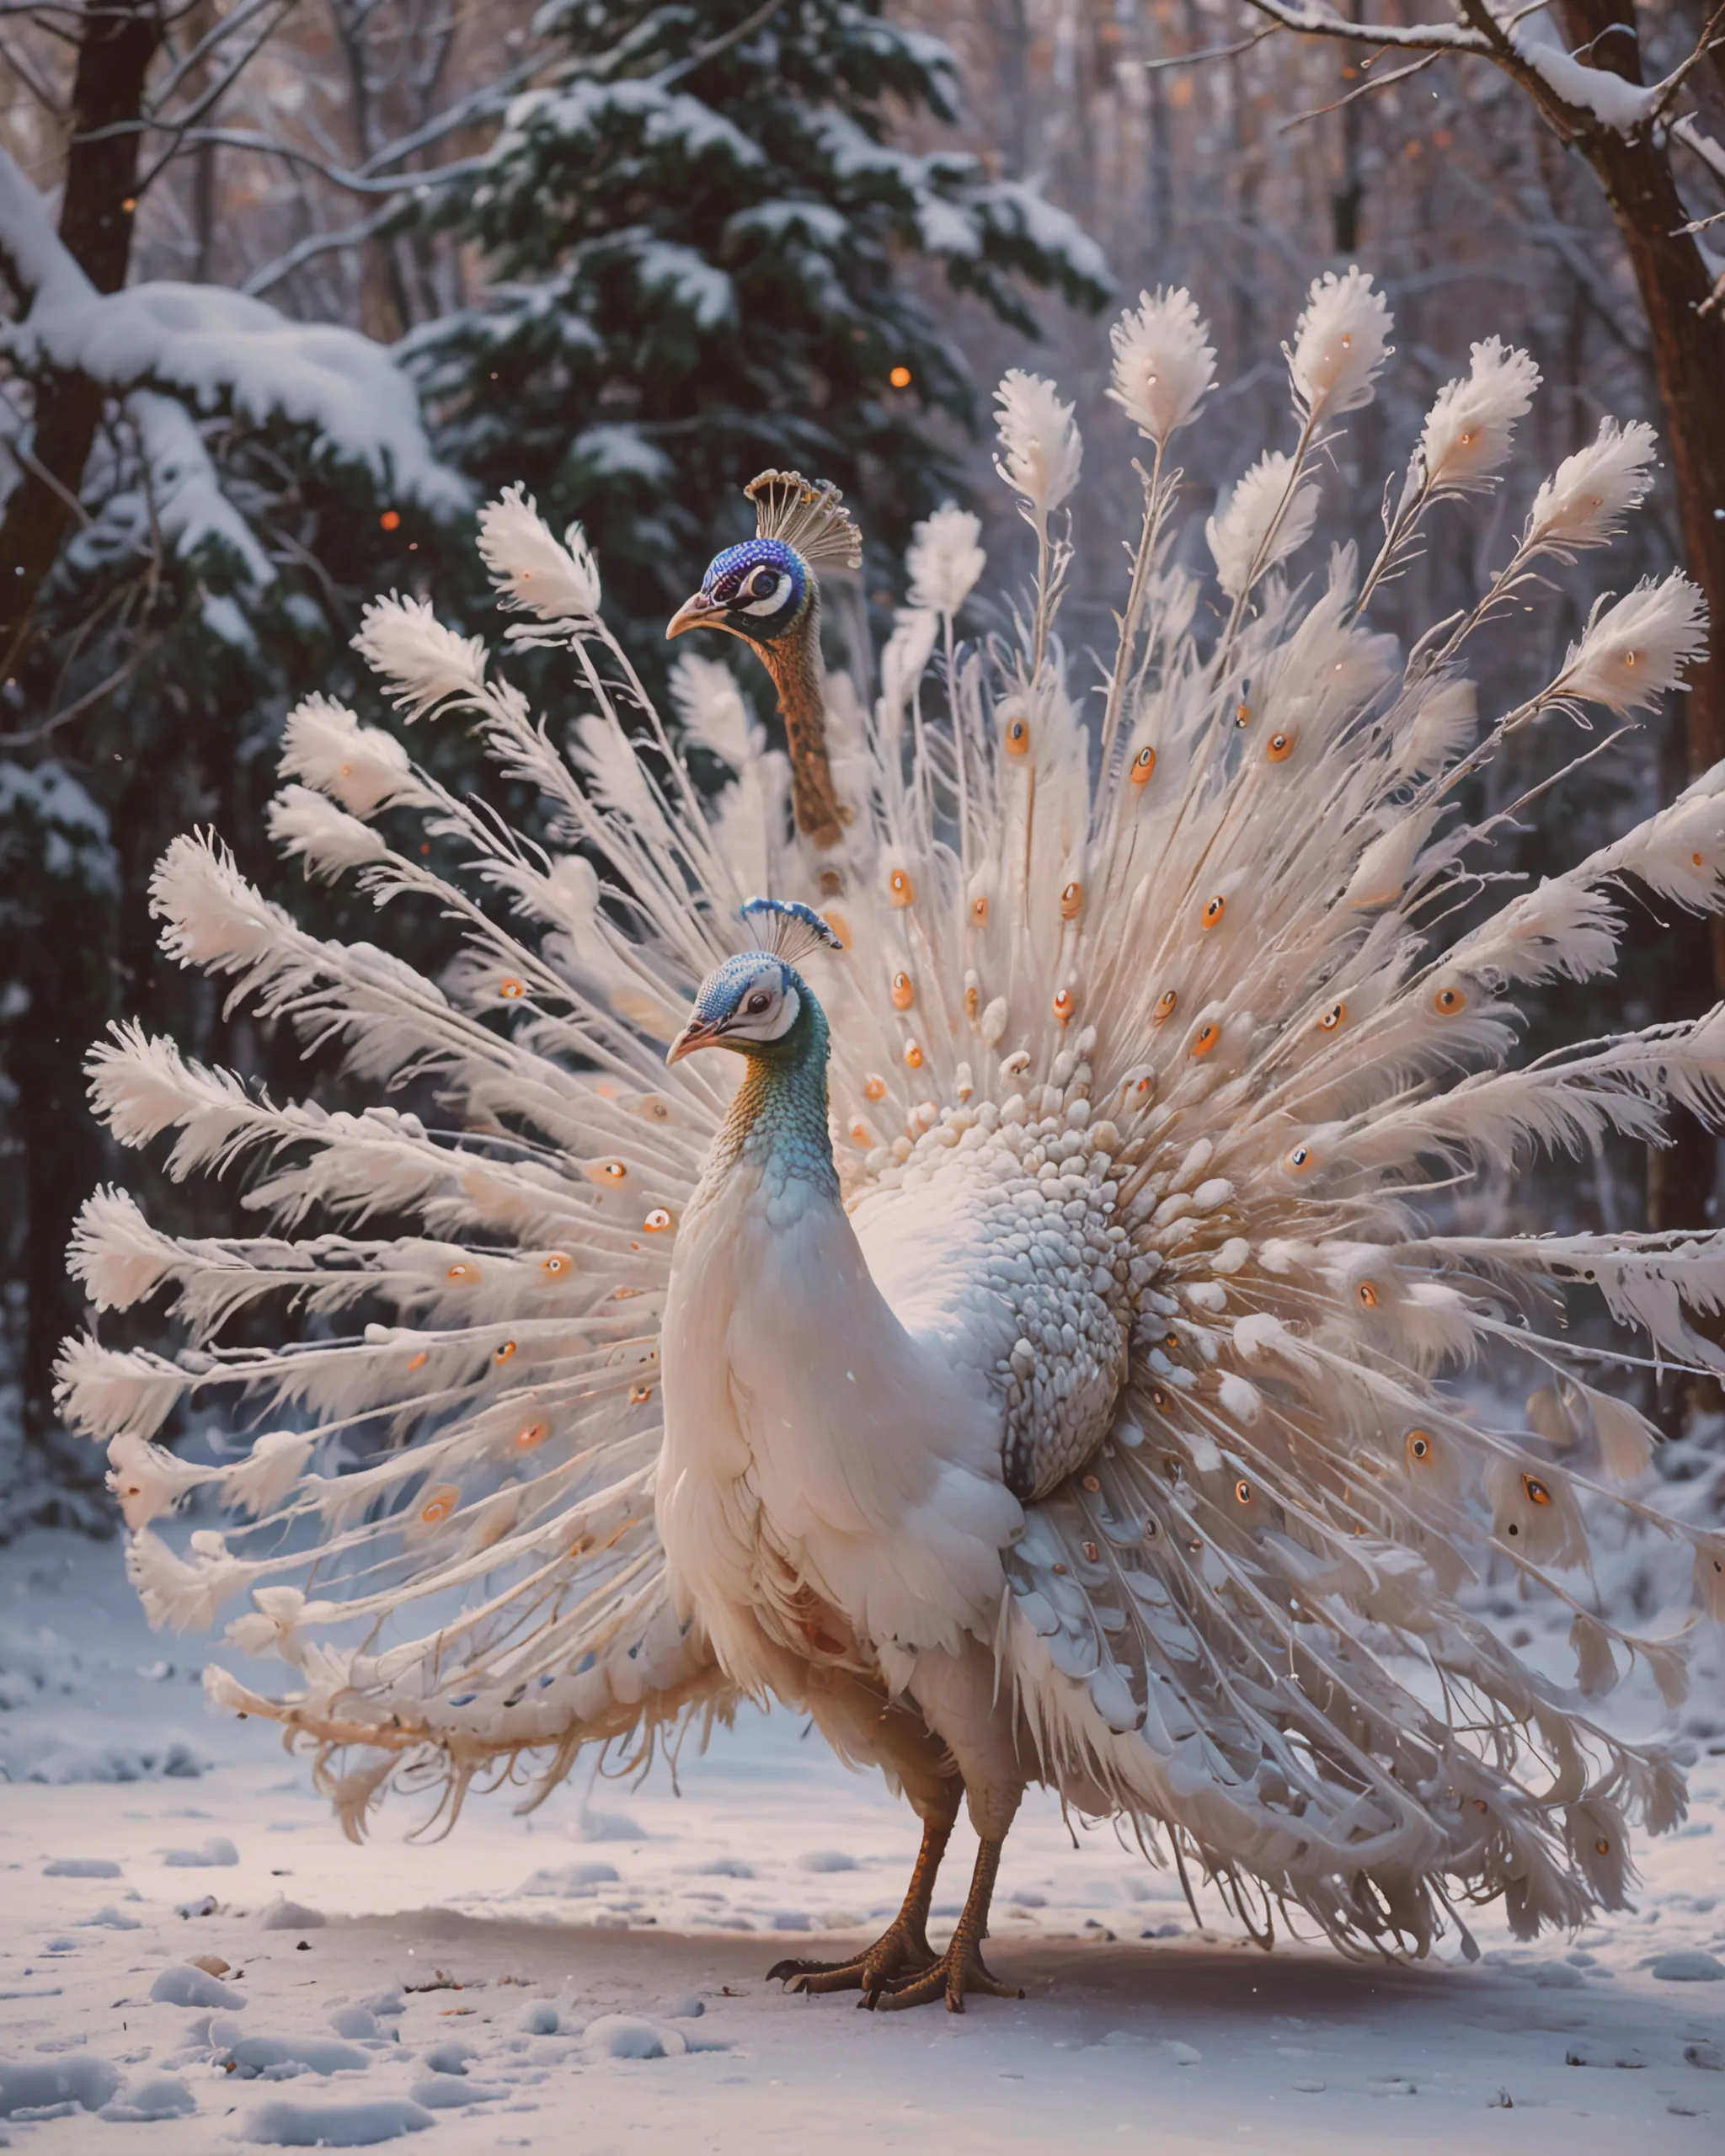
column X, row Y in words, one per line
column 697, row 613
column 697, row 1033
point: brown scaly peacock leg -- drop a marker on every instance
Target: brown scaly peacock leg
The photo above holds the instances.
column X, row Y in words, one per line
column 960, row 1969
column 902, row 1950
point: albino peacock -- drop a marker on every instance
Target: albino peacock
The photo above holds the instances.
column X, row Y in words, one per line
column 1026, row 1352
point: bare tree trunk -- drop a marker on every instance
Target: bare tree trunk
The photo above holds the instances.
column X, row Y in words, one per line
column 64, row 974
column 118, row 40
column 1689, row 365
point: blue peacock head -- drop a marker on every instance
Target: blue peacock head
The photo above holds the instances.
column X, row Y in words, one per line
column 764, row 589
column 757, row 1003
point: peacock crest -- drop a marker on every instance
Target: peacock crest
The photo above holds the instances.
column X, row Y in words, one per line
column 806, row 514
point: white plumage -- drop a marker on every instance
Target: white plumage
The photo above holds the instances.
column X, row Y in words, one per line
column 1068, row 1402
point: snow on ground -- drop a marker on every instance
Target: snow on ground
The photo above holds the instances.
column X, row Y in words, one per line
column 591, row 1978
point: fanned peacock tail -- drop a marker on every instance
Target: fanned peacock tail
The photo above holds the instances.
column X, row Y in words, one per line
column 1164, row 973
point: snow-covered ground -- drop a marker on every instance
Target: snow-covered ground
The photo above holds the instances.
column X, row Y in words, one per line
column 591, row 1978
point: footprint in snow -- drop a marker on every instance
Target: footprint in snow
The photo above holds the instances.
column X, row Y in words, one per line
column 287, row 2125
column 218, row 1851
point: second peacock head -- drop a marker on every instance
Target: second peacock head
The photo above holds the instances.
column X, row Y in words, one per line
column 759, row 590
column 763, row 589
column 757, row 1002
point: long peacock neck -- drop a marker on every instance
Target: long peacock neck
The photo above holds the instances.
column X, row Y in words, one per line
column 793, row 661
column 777, row 1119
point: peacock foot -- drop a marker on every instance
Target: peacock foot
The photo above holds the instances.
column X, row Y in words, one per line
column 902, row 1951
column 958, row 1971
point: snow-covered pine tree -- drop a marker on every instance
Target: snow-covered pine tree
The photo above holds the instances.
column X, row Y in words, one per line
column 706, row 255
column 243, row 478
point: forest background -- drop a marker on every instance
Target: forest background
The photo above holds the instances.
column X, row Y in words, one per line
column 288, row 286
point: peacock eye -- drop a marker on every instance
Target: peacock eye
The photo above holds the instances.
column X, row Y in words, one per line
column 762, row 584
column 757, row 1003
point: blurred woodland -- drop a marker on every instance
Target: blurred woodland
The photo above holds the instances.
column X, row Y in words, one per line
column 291, row 285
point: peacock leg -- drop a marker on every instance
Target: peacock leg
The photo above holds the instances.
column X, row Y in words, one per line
column 960, row 1969
column 901, row 1950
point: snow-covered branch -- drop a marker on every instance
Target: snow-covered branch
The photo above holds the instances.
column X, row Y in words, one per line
column 215, row 350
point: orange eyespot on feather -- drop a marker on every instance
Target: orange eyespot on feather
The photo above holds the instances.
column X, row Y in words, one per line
column 1279, row 748
column 463, row 1272
column 437, row 1505
column 873, row 1088
column 1242, row 713
column 657, row 1221
column 900, row 889
column 1164, row 1006
column 614, row 1172
column 1206, row 1038
column 1143, row 765
column 860, row 1134
column 904, row 995
column 839, row 925
column 1537, row 1493
column 1071, row 901
column 1092, row 1484
column 1214, row 910
column 419, row 1362
column 1065, row 1004
column 504, row 1350
column 530, row 1439
column 1448, row 1001
column 1092, row 1555
column 511, row 987
column 1420, row 1447
column 1018, row 737
column 639, row 1395
column 1158, row 1399
column 1333, row 1018
column 913, row 1054
column 973, row 1001
column 1367, row 1295
column 1602, row 1847
column 979, row 910
column 557, row 1266
column 1242, row 1492
column 1298, row 1158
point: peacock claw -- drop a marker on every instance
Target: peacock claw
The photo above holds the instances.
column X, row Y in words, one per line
column 899, row 1954
column 958, row 1971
